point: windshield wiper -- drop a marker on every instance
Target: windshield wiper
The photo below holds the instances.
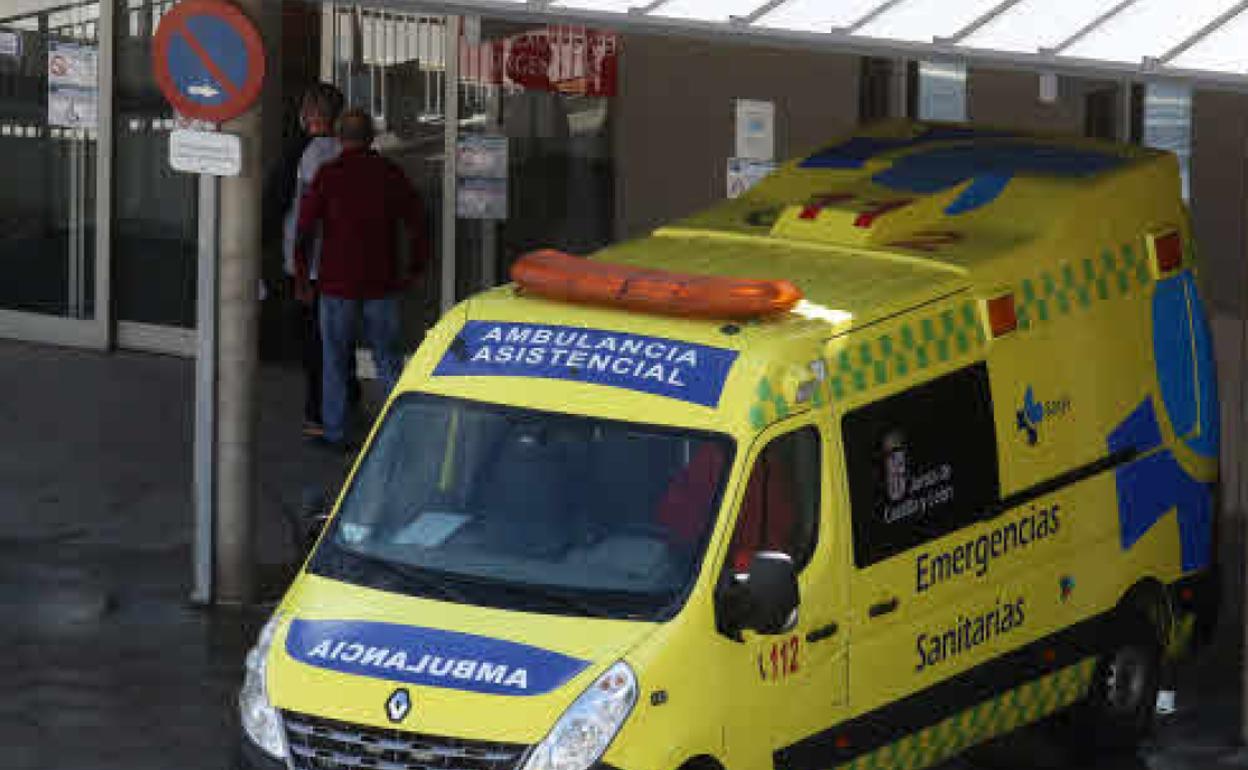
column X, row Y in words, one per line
column 567, row 599
column 409, row 573
column 541, row 593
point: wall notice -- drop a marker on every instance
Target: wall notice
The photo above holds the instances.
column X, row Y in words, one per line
column 744, row 173
column 73, row 89
column 10, row 43
column 481, row 166
column 756, row 129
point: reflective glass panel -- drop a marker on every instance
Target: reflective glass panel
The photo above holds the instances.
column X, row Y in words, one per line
column 818, row 15
column 925, row 19
column 1147, row 28
column 49, row 99
column 1035, row 24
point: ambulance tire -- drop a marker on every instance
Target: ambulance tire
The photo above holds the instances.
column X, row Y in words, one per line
column 1118, row 712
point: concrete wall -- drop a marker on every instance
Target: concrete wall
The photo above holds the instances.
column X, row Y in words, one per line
column 1219, row 143
column 1219, row 204
column 1011, row 99
column 674, row 122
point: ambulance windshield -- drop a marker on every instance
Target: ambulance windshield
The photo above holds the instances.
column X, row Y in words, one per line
column 511, row 508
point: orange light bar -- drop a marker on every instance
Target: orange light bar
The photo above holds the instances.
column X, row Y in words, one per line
column 559, row 276
column 1002, row 315
column 1168, row 251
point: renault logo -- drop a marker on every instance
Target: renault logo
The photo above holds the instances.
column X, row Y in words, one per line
column 398, row 705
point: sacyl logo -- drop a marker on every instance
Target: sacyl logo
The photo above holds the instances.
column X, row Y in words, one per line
column 1033, row 413
column 398, row 705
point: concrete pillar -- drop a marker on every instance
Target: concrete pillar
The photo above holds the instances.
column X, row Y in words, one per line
column 450, row 183
column 899, row 89
column 238, row 351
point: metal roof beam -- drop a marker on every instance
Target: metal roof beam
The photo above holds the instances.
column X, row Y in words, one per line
column 1203, row 32
column 1091, row 27
column 976, row 24
column 870, row 16
column 762, row 11
column 838, row 41
column 646, row 8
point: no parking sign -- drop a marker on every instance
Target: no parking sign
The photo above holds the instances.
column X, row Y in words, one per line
column 209, row 60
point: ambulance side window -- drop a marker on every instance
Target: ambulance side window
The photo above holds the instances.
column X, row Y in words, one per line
column 780, row 507
column 921, row 464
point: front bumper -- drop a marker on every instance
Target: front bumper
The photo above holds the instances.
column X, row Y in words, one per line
column 251, row 757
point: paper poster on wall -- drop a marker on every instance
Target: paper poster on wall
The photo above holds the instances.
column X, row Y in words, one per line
column 481, row 156
column 481, row 199
column 756, row 129
column 73, row 91
column 744, row 173
column 481, row 166
column 10, row 43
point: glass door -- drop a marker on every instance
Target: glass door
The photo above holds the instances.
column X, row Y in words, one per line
column 156, row 212
column 533, row 108
column 545, row 93
column 50, row 97
column 393, row 64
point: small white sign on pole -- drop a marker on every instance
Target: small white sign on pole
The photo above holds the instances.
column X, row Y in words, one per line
column 205, row 152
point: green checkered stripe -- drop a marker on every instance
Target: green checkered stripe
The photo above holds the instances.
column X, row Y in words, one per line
column 770, row 404
column 1074, row 287
column 1023, row 705
column 953, row 333
column 945, row 335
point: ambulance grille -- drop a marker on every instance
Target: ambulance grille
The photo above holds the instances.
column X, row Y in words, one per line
column 324, row 744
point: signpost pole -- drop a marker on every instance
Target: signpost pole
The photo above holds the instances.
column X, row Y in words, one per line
column 207, row 83
column 205, row 451
column 238, row 325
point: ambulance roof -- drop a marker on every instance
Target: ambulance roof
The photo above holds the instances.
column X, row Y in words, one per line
column 898, row 215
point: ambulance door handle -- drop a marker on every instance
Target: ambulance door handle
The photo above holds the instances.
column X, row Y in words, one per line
column 882, row 608
column 824, row 632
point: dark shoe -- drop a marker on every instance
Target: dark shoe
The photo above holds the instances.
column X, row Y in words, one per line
column 313, row 430
column 334, row 447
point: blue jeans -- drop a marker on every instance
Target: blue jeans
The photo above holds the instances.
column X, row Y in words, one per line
column 340, row 321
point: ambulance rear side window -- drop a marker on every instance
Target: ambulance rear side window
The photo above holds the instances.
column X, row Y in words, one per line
column 921, row 464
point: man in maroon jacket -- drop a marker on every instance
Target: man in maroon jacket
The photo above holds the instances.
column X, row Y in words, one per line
column 359, row 200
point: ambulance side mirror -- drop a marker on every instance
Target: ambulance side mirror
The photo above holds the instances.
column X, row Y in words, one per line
column 764, row 600
column 313, row 515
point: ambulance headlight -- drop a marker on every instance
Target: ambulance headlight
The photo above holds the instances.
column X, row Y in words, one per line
column 586, row 729
column 260, row 720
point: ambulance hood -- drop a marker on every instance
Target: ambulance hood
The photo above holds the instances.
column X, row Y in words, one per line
column 472, row 672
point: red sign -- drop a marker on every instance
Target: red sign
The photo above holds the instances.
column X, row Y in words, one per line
column 209, row 60
column 567, row 59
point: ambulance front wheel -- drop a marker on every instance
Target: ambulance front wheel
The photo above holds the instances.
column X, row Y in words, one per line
column 1119, row 710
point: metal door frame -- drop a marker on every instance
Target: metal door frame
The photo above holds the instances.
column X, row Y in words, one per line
column 450, row 111
column 95, row 332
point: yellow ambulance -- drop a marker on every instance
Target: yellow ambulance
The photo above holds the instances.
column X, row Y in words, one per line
column 911, row 445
